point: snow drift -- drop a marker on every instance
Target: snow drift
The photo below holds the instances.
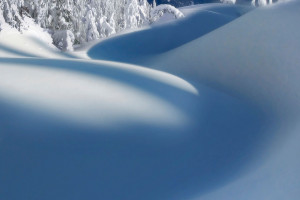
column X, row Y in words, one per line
column 163, row 38
column 215, row 118
column 255, row 57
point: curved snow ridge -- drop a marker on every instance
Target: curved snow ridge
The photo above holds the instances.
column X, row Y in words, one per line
column 139, row 46
column 219, row 135
column 96, row 93
column 255, row 56
column 157, row 75
column 121, row 119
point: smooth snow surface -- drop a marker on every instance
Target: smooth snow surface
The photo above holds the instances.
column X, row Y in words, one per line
column 208, row 109
column 166, row 37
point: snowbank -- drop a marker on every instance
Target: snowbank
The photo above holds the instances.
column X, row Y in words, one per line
column 252, row 51
column 159, row 39
column 254, row 57
column 220, row 123
column 257, row 61
column 126, row 122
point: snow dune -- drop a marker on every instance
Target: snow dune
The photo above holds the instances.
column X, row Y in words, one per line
column 260, row 61
column 255, row 57
column 159, row 39
column 251, row 47
column 97, row 93
column 215, row 118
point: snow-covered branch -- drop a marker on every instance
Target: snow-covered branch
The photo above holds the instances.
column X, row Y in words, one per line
column 158, row 11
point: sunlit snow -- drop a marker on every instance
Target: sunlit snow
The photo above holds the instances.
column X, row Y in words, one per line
column 205, row 107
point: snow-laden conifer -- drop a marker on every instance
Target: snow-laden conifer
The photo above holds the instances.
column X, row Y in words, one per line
column 228, row 1
column 160, row 10
column 86, row 19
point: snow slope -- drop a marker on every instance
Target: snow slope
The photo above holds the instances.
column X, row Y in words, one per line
column 75, row 128
column 168, row 36
column 254, row 52
column 32, row 43
column 100, row 127
column 266, row 53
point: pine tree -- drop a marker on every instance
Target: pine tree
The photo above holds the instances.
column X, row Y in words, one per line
column 90, row 24
column 76, row 20
column 154, row 4
column 11, row 12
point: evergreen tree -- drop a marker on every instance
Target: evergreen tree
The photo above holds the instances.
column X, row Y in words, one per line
column 76, row 21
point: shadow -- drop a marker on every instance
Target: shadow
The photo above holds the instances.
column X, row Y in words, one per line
column 43, row 157
column 137, row 46
column 42, row 45
column 14, row 51
column 181, row 99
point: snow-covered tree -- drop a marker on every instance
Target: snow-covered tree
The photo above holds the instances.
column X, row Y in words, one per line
column 64, row 40
column 12, row 12
column 135, row 14
column 63, row 15
column 160, row 10
column 85, row 19
column 261, row 2
column 2, row 21
column 90, row 24
column 105, row 29
column 154, row 4
column 228, row 1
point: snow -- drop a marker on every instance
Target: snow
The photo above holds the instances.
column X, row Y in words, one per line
column 64, row 40
column 159, row 11
column 254, row 57
column 79, row 94
column 229, row 1
column 84, row 20
column 204, row 107
column 252, row 53
column 208, row 18
column 33, row 42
